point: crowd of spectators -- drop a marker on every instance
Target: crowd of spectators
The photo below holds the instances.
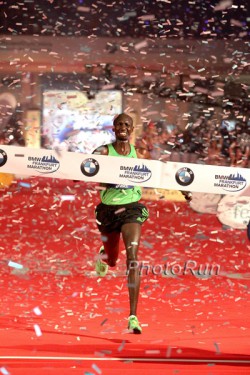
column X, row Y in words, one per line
column 207, row 143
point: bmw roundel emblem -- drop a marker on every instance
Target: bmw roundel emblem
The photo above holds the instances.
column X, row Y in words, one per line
column 184, row 176
column 90, row 167
column 3, row 157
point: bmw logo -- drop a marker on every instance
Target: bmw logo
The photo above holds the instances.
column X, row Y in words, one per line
column 184, row 176
column 90, row 167
column 3, row 157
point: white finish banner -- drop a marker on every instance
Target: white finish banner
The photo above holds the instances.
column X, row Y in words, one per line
column 125, row 171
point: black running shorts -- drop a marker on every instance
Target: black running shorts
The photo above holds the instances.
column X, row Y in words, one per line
column 111, row 218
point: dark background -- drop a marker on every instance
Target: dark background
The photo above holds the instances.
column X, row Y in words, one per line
column 194, row 18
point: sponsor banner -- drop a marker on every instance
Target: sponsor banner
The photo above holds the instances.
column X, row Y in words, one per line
column 206, row 178
column 125, row 172
column 44, row 164
column 78, row 166
column 3, row 158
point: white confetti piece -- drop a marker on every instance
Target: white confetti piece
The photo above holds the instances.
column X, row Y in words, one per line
column 141, row 45
column 83, row 9
column 96, row 368
column 37, row 330
column 37, row 311
column 67, row 198
column 153, row 351
column 223, row 5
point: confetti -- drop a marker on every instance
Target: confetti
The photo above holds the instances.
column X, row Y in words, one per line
column 4, row 371
column 15, row 265
column 37, row 311
column 37, row 330
column 217, row 348
column 24, row 184
column 222, row 5
column 67, row 197
column 96, row 368
column 121, row 347
column 168, row 353
column 176, row 63
column 140, row 45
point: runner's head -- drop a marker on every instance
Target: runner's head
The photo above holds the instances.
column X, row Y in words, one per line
column 123, row 127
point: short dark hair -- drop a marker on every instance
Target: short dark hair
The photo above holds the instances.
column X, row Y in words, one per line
column 117, row 118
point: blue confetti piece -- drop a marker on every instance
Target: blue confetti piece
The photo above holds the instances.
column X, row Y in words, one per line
column 15, row 265
column 24, row 184
column 4, row 371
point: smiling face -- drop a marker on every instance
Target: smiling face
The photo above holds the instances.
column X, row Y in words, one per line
column 123, row 127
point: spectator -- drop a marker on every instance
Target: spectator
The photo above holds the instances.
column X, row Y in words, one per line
column 149, row 141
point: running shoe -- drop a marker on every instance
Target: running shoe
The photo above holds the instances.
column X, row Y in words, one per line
column 133, row 324
column 100, row 266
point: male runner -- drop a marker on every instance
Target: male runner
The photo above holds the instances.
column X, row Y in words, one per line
column 120, row 213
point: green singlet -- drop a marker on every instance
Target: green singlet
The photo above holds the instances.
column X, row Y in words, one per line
column 116, row 194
